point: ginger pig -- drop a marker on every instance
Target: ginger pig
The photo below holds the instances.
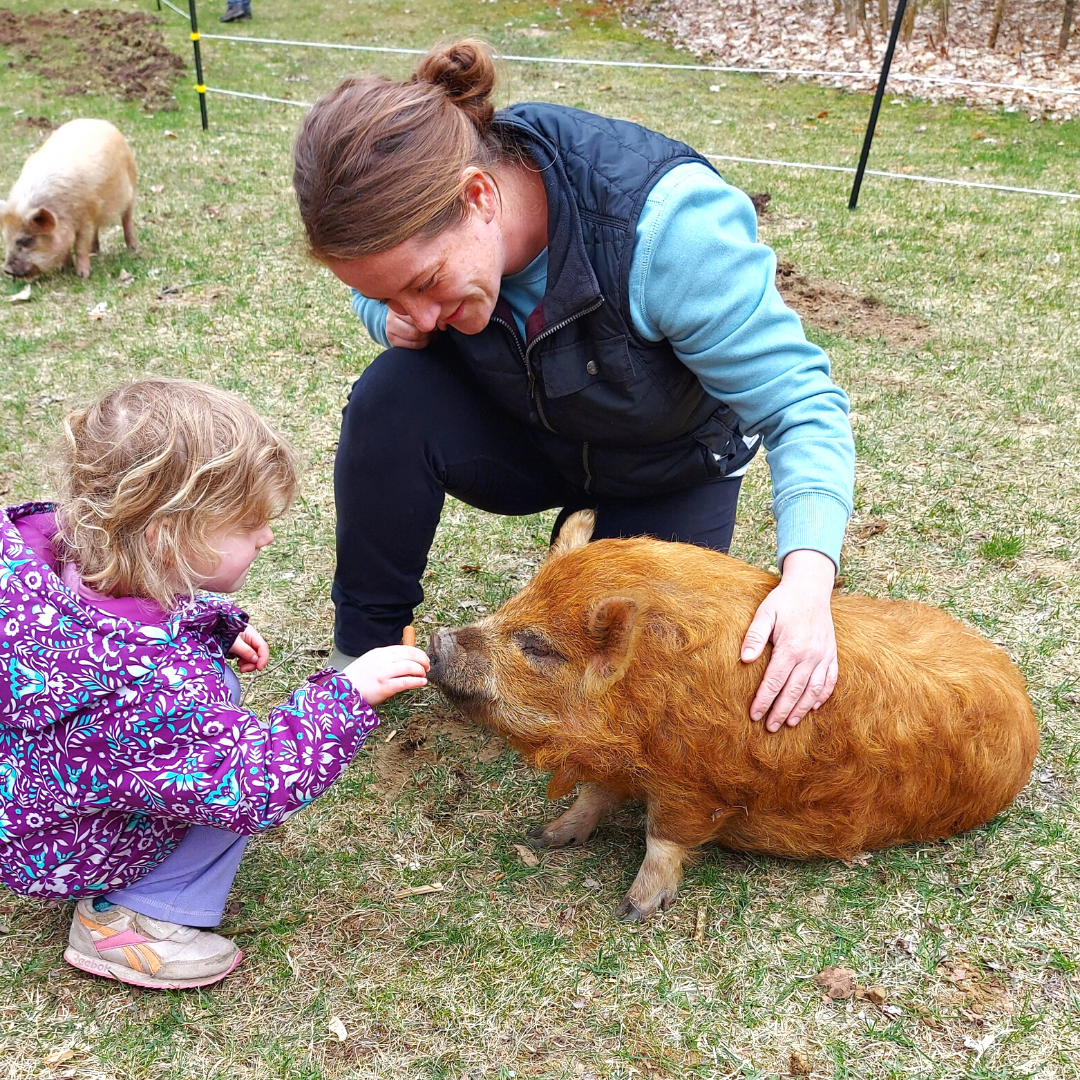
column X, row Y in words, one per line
column 80, row 180
column 617, row 668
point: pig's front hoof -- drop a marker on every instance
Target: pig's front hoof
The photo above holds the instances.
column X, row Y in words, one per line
column 550, row 836
column 535, row 838
column 577, row 824
column 634, row 909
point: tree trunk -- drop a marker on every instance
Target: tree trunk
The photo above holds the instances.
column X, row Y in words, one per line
column 883, row 15
column 943, row 20
column 837, row 6
column 851, row 17
column 1066, row 27
column 995, row 26
column 907, row 26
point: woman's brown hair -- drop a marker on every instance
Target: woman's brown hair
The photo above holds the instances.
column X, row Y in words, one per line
column 378, row 161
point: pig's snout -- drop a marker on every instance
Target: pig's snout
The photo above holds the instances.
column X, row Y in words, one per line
column 460, row 666
column 17, row 268
column 440, row 649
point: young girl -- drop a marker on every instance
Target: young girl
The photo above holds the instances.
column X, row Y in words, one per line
column 130, row 778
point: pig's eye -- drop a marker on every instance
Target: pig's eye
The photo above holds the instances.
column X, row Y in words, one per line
column 538, row 651
column 24, row 242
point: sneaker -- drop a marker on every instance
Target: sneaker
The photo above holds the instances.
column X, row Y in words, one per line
column 119, row 943
column 236, row 10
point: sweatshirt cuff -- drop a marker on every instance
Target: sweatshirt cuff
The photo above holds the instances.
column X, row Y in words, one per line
column 344, row 691
column 372, row 313
column 811, row 519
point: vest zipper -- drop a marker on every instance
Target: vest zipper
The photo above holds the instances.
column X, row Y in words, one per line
column 585, row 463
column 547, row 332
column 523, row 356
column 527, row 362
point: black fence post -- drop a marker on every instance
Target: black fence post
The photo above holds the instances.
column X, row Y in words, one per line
column 853, row 202
column 200, row 86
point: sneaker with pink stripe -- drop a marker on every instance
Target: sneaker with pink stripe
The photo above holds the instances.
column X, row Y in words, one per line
column 119, row 943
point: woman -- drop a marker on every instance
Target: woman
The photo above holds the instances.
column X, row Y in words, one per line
column 577, row 314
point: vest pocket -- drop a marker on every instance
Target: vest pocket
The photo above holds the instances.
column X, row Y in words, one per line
column 719, row 439
column 568, row 369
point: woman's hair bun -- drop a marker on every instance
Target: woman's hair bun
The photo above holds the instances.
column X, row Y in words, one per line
column 466, row 73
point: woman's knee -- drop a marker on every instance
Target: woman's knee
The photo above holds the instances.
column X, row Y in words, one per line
column 400, row 388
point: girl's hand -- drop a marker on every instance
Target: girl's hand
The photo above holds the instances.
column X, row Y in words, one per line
column 382, row 673
column 797, row 617
column 251, row 649
column 402, row 332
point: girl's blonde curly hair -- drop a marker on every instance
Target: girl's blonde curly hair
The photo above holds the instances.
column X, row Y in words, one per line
column 147, row 473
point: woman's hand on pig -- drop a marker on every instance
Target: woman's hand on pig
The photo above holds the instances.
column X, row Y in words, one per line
column 403, row 333
column 797, row 617
column 251, row 650
column 382, row 673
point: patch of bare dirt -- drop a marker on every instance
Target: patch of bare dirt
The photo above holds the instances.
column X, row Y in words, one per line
column 96, row 51
column 26, row 124
column 833, row 307
column 814, row 34
column 396, row 758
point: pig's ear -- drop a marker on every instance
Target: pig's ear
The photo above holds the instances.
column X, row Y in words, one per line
column 44, row 219
column 576, row 531
column 611, row 630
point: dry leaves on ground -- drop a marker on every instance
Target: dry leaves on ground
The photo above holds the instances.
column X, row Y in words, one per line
column 837, row 982
column 811, row 34
column 528, row 857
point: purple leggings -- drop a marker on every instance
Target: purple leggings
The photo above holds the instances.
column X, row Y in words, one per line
column 192, row 884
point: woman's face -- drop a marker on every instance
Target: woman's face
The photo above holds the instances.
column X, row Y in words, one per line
column 450, row 279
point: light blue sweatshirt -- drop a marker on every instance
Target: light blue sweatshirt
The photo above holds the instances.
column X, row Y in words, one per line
column 700, row 279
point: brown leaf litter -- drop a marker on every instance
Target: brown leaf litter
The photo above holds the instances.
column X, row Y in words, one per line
column 837, row 982
column 813, row 34
column 96, row 51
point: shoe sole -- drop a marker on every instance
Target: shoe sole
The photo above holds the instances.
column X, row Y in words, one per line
column 96, row 966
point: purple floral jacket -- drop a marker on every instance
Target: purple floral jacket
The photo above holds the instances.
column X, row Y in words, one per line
column 117, row 734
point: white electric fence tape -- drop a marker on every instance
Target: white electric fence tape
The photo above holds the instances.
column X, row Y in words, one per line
column 914, row 177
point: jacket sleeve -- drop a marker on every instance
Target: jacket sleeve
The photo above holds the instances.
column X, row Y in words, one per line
column 212, row 763
column 372, row 313
column 700, row 279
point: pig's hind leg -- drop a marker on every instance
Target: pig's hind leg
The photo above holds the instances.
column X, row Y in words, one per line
column 657, row 880
column 128, row 221
column 578, row 823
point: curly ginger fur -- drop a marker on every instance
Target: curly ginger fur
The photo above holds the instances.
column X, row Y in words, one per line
column 929, row 731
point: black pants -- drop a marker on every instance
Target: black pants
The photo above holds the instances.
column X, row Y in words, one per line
column 416, row 426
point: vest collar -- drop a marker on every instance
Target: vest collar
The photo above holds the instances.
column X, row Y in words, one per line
column 572, row 287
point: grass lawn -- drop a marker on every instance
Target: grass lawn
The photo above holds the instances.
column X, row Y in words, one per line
column 967, row 498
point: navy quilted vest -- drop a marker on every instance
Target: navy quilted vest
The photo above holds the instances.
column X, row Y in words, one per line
column 619, row 416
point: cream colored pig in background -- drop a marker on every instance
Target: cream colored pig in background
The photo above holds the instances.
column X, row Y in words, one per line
column 81, row 180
